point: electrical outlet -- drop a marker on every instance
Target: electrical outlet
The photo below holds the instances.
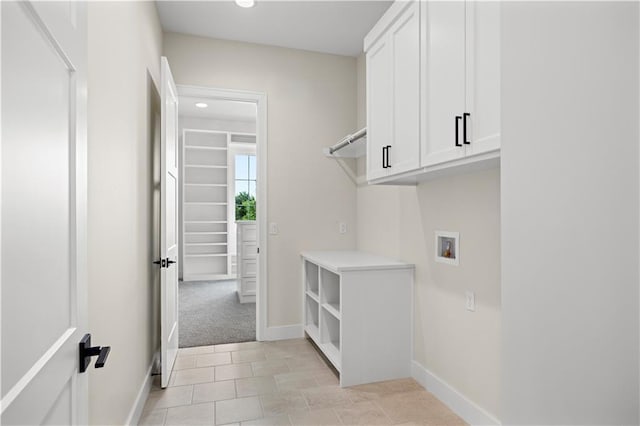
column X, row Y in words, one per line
column 470, row 301
column 342, row 228
column 273, row 228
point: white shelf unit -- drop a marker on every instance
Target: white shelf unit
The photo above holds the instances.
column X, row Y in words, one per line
column 357, row 310
column 205, row 205
column 247, row 258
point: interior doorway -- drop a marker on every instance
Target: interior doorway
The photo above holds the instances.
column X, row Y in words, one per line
column 222, row 208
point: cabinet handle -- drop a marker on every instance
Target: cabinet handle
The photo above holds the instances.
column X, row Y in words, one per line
column 388, row 148
column 464, row 128
column 384, row 157
column 458, row 118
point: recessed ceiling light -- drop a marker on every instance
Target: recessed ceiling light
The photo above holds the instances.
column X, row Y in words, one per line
column 201, row 105
column 246, row 3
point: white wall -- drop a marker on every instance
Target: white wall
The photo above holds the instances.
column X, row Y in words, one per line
column 125, row 42
column 311, row 105
column 462, row 348
column 570, row 213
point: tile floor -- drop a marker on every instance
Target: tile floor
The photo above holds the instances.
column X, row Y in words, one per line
column 281, row 383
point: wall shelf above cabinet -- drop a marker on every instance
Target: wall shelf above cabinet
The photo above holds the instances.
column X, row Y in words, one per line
column 351, row 146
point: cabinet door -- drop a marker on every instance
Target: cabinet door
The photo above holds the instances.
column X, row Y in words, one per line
column 379, row 106
column 404, row 154
column 443, row 81
column 483, row 76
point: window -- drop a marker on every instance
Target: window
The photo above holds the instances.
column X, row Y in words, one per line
column 245, row 183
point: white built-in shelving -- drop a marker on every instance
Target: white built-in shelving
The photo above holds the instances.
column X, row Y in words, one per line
column 205, row 203
column 357, row 310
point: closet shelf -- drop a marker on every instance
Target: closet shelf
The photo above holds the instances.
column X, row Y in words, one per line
column 203, row 166
column 351, row 146
column 205, row 221
column 205, row 148
column 205, row 233
column 207, row 184
column 205, row 203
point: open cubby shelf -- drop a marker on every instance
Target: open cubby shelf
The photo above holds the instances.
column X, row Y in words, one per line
column 357, row 311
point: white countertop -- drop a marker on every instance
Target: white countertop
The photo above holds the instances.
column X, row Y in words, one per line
column 339, row 261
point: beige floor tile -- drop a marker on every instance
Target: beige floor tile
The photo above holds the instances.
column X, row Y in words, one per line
column 195, row 350
column 280, row 403
column 169, row 397
column 368, row 392
column 326, row 397
column 417, row 406
column 306, row 363
column 216, row 391
column 295, row 381
column 252, row 386
column 197, row 414
column 184, row 362
column 238, row 410
column 269, row 421
column 326, row 377
column 228, row 347
column 233, row 371
column 153, row 417
column 249, row 355
column 402, row 385
column 192, row 376
column 208, row 360
column 269, row 367
column 315, row 418
column 362, row 413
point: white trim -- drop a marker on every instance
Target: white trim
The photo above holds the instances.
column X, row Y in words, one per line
column 260, row 99
column 284, row 332
column 456, row 401
column 138, row 405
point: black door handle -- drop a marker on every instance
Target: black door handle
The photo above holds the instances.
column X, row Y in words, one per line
column 170, row 262
column 458, row 118
column 384, row 157
column 388, row 147
column 464, row 128
column 86, row 351
column 160, row 262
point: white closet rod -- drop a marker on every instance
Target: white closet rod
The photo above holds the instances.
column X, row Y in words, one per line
column 348, row 140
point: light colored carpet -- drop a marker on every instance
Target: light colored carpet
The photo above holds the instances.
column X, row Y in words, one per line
column 210, row 314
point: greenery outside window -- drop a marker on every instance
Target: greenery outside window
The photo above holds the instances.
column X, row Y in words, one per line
column 245, row 187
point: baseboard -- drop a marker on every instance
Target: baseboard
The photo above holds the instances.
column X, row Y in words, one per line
column 284, row 332
column 141, row 398
column 457, row 402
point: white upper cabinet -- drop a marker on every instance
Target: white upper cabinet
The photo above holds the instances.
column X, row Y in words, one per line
column 483, row 76
column 433, row 89
column 393, row 92
column 443, row 81
column 460, row 80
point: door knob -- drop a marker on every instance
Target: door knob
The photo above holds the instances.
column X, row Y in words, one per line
column 87, row 351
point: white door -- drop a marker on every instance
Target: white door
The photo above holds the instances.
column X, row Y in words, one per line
column 379, row 107
column 404, row 154
column 483, row 76
column 168, row 220
column 43, row 253
column 443, row 81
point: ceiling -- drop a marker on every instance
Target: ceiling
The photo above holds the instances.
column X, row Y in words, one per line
column 336, row 27
column 217, row 109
